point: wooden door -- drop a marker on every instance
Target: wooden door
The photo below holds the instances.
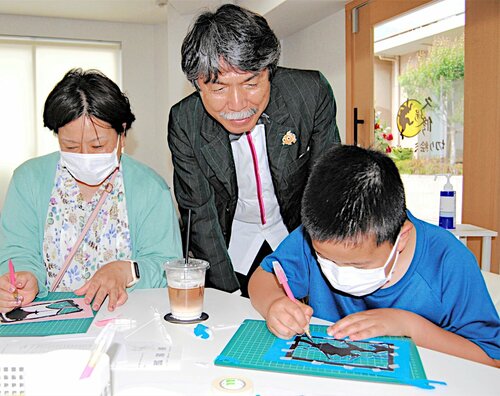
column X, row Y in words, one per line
column 361, row 17
column 481, row 139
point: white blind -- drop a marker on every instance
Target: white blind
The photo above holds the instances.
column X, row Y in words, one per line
column 29, row 70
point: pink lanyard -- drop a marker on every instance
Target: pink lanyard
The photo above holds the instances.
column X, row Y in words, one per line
column 93, row 215
column 257, row 178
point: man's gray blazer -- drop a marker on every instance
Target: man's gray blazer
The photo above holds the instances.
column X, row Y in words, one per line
column 302, row 103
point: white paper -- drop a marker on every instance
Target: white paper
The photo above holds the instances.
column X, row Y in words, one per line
column 144, row 355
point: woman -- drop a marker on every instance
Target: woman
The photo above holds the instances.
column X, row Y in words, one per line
column 88, row 218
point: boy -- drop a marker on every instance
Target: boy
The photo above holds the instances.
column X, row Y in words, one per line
column 364, row 262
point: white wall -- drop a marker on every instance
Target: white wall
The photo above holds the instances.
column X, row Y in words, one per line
column 322, row 47
column 178, row 85
column 144, row 76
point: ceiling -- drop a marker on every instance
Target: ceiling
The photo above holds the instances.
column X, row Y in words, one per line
column 284, row 16
column 135, row 11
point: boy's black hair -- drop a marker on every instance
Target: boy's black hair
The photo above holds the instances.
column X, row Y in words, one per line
column 352, row 193
column 88, row 93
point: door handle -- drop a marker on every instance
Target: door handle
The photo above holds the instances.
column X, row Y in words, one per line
column 356, row 122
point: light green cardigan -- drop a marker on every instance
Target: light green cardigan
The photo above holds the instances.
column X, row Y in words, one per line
column 153, row 223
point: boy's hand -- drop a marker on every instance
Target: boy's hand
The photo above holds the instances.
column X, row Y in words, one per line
column 285, row 317
column 26, row 287
column 373, row 323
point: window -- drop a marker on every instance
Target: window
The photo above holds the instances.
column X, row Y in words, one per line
column 29, row 69
column 419, row 101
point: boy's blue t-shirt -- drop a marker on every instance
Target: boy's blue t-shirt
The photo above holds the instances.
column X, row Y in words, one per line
column 443, row 284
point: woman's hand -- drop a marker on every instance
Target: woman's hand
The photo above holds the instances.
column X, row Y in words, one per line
column 285, row 317
column 26, row 287
column 373, row 323
column 110, row 280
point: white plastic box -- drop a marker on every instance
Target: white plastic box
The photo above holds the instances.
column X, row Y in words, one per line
column 55, row 373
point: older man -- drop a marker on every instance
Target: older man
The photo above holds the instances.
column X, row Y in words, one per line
column 244, row 142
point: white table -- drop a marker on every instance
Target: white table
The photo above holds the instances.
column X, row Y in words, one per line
column 462, row 231
column 197, row 370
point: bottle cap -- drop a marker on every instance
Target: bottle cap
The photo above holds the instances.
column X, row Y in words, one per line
column 448, row 186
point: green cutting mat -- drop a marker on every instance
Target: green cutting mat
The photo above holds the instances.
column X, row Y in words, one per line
column 55, row 327
column 251, row 345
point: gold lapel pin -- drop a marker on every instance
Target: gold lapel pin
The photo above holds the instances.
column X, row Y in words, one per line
column 289, row 138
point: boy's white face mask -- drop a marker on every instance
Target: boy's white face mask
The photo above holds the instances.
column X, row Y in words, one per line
column 357, row 281
column 91, row 169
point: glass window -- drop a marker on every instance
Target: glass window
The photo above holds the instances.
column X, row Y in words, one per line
column 29, row 69
column 419, row 92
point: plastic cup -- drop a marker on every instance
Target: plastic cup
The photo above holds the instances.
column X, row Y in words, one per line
column 186, row 287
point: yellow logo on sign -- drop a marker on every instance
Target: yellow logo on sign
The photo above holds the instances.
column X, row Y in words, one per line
column 411, row 118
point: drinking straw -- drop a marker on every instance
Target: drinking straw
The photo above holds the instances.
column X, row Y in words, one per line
column 188, row 234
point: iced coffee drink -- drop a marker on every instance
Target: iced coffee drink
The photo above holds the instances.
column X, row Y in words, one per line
column 186, row 286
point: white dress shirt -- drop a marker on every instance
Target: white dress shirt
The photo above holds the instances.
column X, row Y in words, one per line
column 247, row 232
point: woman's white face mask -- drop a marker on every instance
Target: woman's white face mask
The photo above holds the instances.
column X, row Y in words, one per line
column 357, row 281
column 91, row 169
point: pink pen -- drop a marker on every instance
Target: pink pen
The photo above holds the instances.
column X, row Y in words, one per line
column 282, row 279
column 12, row 275
column 101, row 345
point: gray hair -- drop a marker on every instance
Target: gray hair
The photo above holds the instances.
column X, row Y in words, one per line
column 233, row 35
